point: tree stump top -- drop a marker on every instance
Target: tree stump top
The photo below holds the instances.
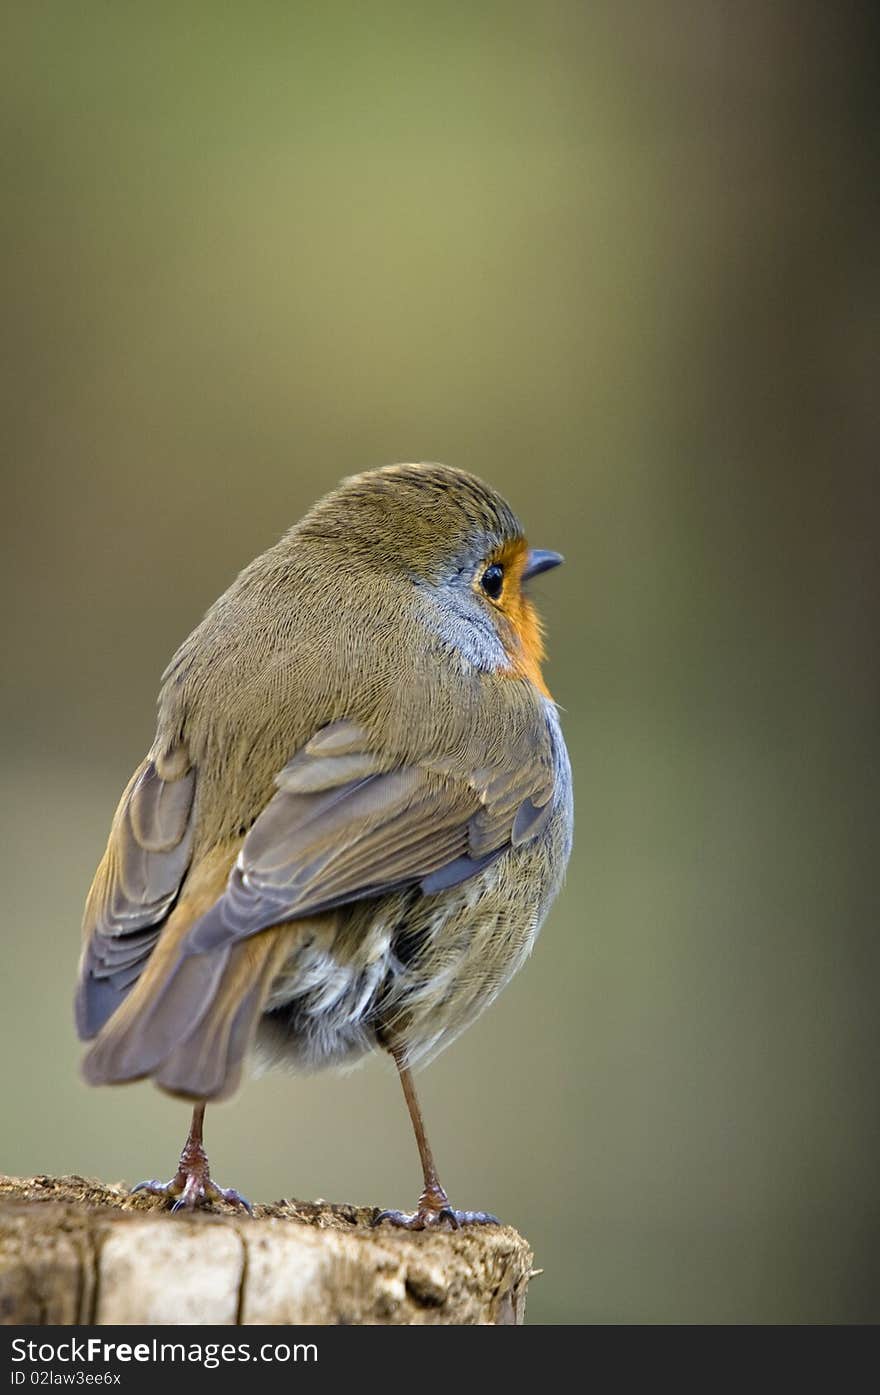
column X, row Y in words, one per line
column 74, row 1250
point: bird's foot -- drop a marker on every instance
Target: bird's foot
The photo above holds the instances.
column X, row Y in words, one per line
column 435, row 1213
column 190, row 1192
column 446, row 1219
column 191, row 1187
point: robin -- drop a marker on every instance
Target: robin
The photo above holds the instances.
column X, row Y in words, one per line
column 352, row 821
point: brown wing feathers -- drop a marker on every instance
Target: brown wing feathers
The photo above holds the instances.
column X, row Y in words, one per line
column 310, row 852
column 180, row 986
column 134, row 887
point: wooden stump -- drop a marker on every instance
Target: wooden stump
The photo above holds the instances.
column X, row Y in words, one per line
column 77, row 1251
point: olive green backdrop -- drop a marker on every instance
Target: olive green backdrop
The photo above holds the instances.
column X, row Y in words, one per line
column 620, row 259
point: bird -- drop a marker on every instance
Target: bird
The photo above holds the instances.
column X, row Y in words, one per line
column 354, row 817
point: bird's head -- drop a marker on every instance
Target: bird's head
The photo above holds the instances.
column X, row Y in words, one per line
column 454, row 538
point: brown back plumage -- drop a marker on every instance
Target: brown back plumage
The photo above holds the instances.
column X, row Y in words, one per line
column 322, row 738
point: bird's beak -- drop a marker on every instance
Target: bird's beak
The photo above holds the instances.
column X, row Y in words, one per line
column 538, row 561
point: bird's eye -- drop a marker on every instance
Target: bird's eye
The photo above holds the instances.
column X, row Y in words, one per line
column 492, row 581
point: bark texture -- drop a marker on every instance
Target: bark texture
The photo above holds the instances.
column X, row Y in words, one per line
column 79, row 1251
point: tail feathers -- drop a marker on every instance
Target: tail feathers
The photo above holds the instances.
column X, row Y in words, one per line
column 154, row 1019
column 192, row 1030
column 208, row 1063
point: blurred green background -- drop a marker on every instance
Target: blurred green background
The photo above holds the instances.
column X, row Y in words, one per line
column 620, row 259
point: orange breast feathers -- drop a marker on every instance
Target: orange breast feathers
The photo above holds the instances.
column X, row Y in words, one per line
column 523, row 633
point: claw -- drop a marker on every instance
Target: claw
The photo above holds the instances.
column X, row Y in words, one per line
column 235, row 1198
column 430, row 1218
column 192, row 1191
column 153, row 1187
column 191, row 1186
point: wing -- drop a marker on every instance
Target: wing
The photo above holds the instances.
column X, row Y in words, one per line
column 135, row 886
column 343, row 826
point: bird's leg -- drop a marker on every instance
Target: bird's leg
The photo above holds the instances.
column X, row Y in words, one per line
column 191, row 1185
column 433, row 1209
